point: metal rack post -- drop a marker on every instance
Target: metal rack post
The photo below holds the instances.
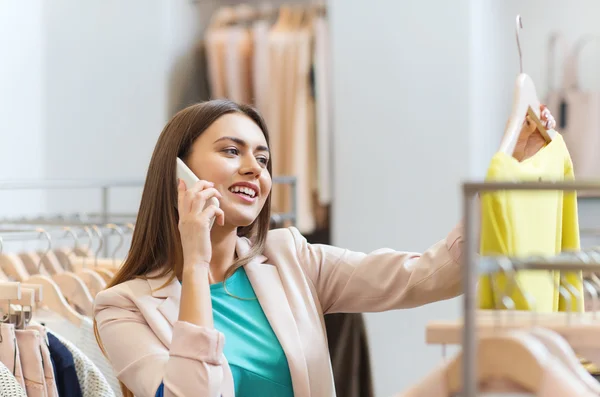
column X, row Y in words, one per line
column 470, row 266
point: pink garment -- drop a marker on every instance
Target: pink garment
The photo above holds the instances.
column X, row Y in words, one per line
column 9, row 352
column 51, row 387
column 555, row 383
column 296, row 283
column 31, row 360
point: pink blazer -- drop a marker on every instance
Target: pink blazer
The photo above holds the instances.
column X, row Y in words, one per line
column 296, row 284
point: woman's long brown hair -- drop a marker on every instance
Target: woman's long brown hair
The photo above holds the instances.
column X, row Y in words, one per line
column 156, row 244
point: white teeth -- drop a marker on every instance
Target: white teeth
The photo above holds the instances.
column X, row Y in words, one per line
column 242, row 189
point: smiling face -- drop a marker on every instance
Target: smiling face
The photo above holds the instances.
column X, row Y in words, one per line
column 233, row 154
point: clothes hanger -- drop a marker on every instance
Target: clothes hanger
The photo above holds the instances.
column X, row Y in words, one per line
column 11, row 265
column 559, row 348
column 284, row 18
column 512, row 356
column 71, row 286
column 580, row 330
column 525, row 103
column 52, row 297
column 90, row 278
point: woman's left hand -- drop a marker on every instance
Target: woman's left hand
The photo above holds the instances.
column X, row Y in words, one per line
column 530, row 140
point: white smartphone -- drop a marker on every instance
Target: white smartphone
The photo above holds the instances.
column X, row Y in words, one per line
column 190, row 179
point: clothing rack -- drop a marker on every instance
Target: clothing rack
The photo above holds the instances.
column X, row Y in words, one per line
column 473, row 264
column 106, row 185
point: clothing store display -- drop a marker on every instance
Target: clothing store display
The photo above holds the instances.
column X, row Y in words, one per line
column 66, row 376
column 8, row 383
column 9, row 352
column 92, row 382
column 530, row 223
column 576, row 112
column 296, row 286
column 349, row 351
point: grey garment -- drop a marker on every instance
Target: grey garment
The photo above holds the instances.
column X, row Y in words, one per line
column 91, row 380
column 9, row 386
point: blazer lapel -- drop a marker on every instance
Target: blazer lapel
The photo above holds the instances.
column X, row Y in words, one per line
column 170, row 294
column 271, row 295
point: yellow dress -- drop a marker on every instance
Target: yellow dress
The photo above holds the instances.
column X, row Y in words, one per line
column 523, row 223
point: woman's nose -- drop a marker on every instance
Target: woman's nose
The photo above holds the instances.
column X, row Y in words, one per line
column 251, row 167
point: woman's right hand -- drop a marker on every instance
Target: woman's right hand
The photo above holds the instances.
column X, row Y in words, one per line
column 195, row 220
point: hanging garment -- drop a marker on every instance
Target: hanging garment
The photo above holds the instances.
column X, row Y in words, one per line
column 577, row 114
column 49, row 371
column 82, row 337
column 215, row 43
column 517, row 223
column 324, row 112
column 9, row 386
column 290, row 117
column 31, row 360
column 92, row 382
column 238, row 64
column 261, row 78
column 89, row 347
column 66, row 376
column 9, row 352
column 349, row 351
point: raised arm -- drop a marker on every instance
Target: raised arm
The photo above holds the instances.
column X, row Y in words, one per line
column 385, row 279
column 191, row 366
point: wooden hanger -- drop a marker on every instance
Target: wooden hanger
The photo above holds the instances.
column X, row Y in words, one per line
column 525, row 103
column 12, row 266
column 221, row 18
column 54, row 300
column 71, row 286
column 297, row 18
column 93, row 281
column 511, row 356
column 51, row 262
column 559, row 348
column 52, row 297
column 284, row 19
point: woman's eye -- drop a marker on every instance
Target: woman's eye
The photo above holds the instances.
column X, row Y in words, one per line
column 263, row 160
column 233, row 151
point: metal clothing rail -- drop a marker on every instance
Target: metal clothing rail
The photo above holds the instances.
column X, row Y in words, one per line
column 105, row 186
column 471, row 261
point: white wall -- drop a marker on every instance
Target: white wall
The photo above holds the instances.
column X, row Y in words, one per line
column 22, row 153
column 110, row 91
column 401, row 149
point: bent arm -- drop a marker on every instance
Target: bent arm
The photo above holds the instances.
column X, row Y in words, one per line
column 191, row 366
column 385, row 279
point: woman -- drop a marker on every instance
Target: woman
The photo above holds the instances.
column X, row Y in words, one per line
column 168, row 323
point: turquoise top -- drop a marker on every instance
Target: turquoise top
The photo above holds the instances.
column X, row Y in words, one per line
column 258, row 363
